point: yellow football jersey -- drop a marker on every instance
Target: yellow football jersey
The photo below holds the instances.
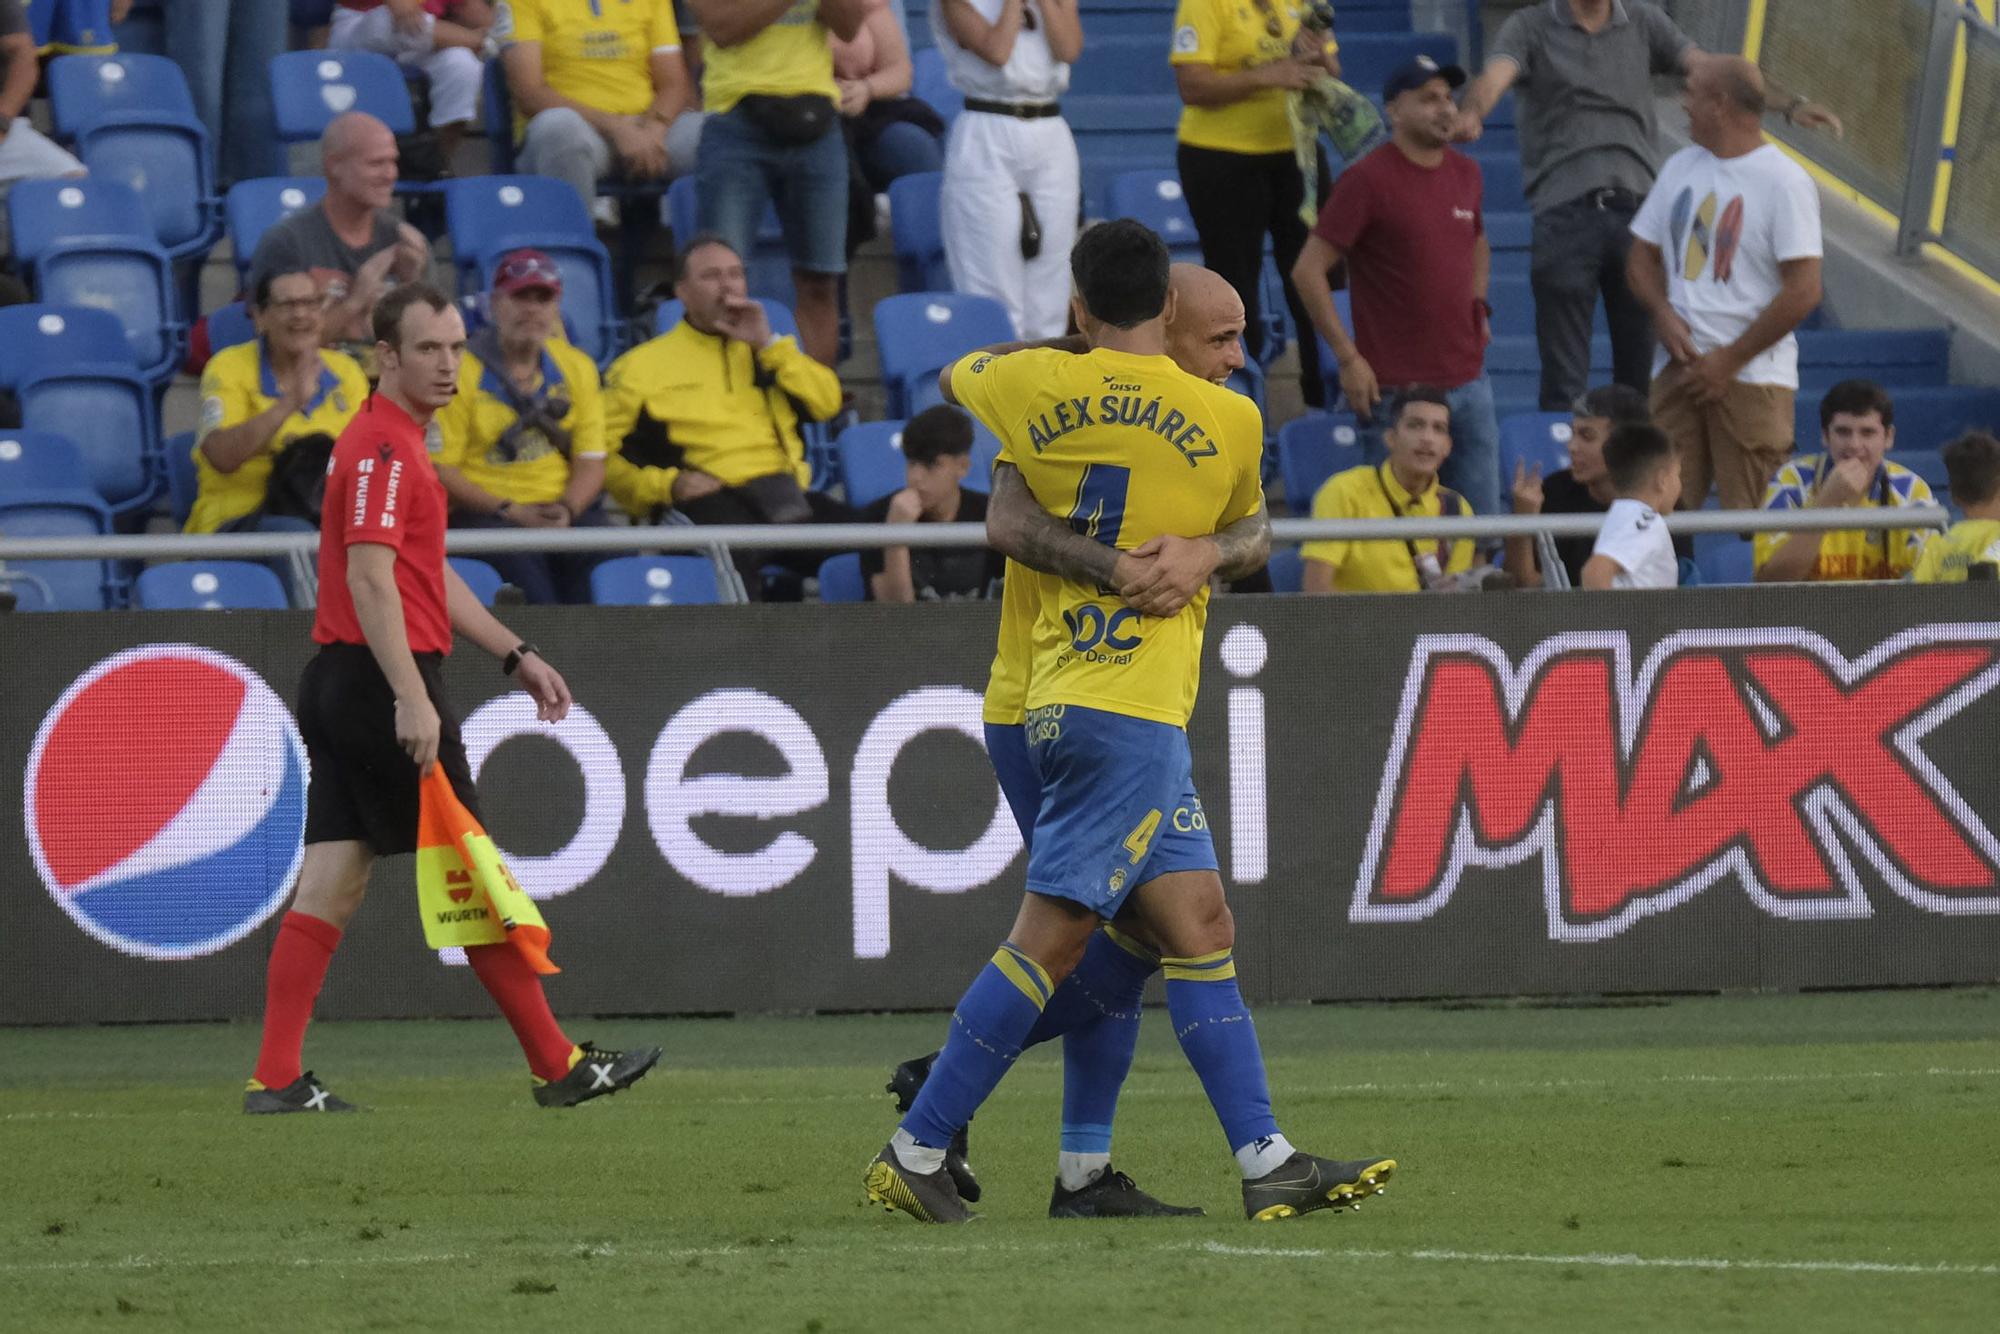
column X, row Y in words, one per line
column 237, row 385
column 1850, row 553
column 600, row 55
column 1127, row 448
column 1948, row 555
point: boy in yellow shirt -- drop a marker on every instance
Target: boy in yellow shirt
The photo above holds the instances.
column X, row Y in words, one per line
column 1972, row 465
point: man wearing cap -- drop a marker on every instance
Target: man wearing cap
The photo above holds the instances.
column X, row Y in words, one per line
column 1581, row 71
column 1407, row 220
column 522, row 445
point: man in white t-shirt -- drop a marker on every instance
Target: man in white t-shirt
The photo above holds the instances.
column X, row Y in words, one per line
column 1012, row 185
column 1633, row 548
column 1726, row 258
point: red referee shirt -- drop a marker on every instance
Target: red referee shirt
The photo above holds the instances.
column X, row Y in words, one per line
column 381, row 487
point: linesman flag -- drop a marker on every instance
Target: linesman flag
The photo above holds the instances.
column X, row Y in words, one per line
column 465, row 892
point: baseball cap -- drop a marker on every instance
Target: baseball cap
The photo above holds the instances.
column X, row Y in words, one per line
column 1416, row 72
column 523, row 269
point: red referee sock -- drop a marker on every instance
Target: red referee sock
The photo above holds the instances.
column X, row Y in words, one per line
column 299, row 959
column 517, row 990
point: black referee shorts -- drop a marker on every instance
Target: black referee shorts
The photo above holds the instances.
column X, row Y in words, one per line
column 364, row 787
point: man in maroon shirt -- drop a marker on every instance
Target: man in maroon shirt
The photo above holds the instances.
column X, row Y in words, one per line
column 373, row 713
column 1407, row 220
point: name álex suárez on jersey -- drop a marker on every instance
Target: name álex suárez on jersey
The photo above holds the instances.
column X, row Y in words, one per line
column 1123, row 405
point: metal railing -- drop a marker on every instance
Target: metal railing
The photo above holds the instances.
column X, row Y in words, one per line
column 855, row 536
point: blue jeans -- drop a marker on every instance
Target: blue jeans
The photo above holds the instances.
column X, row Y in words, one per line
column 900, row 150
column 1473, row 470
column 741, row 169
column 225, row 50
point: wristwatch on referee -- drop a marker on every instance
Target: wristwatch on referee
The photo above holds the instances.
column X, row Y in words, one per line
column 513, row 659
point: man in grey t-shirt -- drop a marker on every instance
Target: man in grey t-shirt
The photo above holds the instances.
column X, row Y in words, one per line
column 25, row 153
column 354, row 246
column 1582, row 71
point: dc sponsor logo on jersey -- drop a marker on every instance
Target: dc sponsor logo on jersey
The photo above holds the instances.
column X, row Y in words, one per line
column 165, row 801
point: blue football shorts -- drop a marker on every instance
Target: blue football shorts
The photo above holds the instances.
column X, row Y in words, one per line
column 1118, row 806
column 1007, row 747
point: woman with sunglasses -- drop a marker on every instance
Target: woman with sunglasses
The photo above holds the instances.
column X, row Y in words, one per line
column 1236, row 64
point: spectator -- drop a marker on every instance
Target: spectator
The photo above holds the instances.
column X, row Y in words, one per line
column 449, row 40
column 599, row 87
column 25, row 152
column 770, row 135
column 1236, row 67
column 1582, row 488
column 225, row 50
column 351, row 242
column 260, row 398
column 523, row 443
column 1857, row 427
column 937, row 455
column 1633, row 549
column 1581, row 71
column 1741, row 221
column 77, row 27
column 1406, row 218
column 706, row 417
column 893, row 134
column 1972, row 467
column 1012, row 185
column 1403, row 486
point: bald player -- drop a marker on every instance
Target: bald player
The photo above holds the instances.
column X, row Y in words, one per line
column 1096, row 1010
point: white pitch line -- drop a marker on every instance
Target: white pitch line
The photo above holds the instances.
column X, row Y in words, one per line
column 1625, row 1261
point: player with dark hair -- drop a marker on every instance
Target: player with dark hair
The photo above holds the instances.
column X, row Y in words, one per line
column 1131, row 452
column 373, row 713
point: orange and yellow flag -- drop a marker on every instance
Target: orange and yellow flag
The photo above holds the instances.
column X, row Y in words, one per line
column 465, row 892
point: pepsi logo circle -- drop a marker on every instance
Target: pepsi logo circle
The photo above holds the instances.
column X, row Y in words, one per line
column 165, row 801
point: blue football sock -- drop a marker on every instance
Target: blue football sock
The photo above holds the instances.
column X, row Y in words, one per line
column 1096, row 1013
column 1215, row 1032
column 988, row 1030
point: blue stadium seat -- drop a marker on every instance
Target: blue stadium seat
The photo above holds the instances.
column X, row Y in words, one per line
column 496, row 114
column 1512, row 236
column 57, row 585
column 1929, row 465
column 40, row 461
column 917, row 334
column 481, row 578
column 251, row 207
column 1356, row 16
column 89, row 242
column 208, row 585
column 841, row 579
column 930, row 84
column 1312, row 448
column 133, row 121
column 488, row 216
column 1724, row 558
column 1115, row 134
column 1368, row 58
column 1513, row 301
column 1249, row 382
column 870, row 456
column 183, row 481
column 1541, row 440
column 985, row 453
column 1898, row 358
column 654, row 581
column 918, row 233
column 1504, row 191
column 1287, row 570
column 768, row 266
column 1927, row 418
column 229, row 325
column 1514, row 363
column 72, row 370
column 310, row 88
column 1124, row 66
column 1154, row 197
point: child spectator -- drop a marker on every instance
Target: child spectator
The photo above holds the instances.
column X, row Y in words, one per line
column 937, row 455
column 1972, row 466
column 1633, row 549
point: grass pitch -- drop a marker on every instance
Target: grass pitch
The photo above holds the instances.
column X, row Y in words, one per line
column 1821, row 1162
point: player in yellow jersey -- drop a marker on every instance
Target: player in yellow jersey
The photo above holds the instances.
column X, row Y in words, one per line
column 1147, row 464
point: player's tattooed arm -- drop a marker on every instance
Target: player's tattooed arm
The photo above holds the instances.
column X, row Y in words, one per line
column 1245, row 545
column 1018, row 527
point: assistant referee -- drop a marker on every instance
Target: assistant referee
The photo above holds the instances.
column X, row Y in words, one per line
column 373, row 713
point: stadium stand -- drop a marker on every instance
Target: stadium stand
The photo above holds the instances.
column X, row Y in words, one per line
column 918, row 234
column 250, row 207
column 229, row 325
column 45, row 491
column 917, row 334
column 90, row 242
column 1155, row 198
column 132, row 120
column 768, row 267
column 488, row 216
column 870, row 455
column 1723, row 558
column 1538, row 439
column 1313, row 448
column 480, row 577
column 840, row 579
column 310, row 88
column 210, row 585
column 183, row 479
column 71, row 368
column 654, row 581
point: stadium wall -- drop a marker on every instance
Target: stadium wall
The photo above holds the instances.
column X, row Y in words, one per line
column 788, row 808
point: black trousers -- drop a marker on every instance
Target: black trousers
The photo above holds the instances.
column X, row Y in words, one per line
column 733, row 506
column 1236, row 200
column 1579, row 253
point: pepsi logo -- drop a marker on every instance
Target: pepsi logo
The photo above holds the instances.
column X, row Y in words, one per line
column 165, row 801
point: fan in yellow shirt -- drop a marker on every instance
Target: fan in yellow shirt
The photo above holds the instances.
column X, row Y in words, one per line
column 1972, row 466
column 259, row 397
column 1858, row 429
column 1403, row 486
